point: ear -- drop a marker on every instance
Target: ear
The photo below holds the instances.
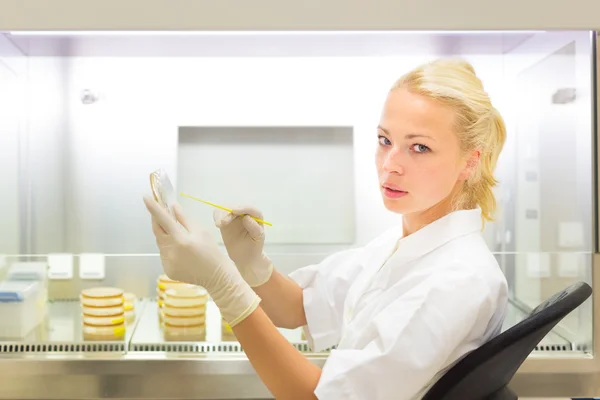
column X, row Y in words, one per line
column 471, row 165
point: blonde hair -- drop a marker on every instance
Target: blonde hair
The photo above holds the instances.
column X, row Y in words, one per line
column 479, row 125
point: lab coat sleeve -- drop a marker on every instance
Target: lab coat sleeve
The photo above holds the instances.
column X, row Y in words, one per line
column 410, row 340
column 325, row 286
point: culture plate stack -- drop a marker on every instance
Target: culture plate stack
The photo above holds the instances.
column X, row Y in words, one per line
column 163, row 283
column 129, row 307
column 184, row 313
column 103, row 313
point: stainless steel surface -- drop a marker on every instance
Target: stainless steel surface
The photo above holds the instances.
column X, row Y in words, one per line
column 61, row 331
column 149, row 335
column 56, row 363
column 150, row 367
column 132, row 377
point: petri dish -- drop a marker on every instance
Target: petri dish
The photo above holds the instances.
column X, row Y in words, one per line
column 102, row 297
column 114, row 332
column 102, row 311
column 184, row 311
column 162, row 190
column 175, row 321
column 104, row 321
column 186, row 296
column 184, row 333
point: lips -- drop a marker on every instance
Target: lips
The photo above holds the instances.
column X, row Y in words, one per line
column 393, row 192
column 393, row 187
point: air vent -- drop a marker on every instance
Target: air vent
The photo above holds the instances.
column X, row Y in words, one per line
column 562, row 347
column 62, row 348
column 582, row 347
column 188, row 347
column 204, row 348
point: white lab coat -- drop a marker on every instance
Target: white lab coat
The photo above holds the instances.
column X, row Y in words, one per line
column 402, row 310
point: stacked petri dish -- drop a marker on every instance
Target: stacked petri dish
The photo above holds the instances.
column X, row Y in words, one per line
column 163, row 283
column 184, row 313
column 129, row 307
column 103, row 313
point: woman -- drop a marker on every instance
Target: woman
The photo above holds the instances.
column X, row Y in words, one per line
column 405, row 307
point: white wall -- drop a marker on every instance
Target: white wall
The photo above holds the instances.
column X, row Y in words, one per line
column 47, row 144
column 13, row 78
column 9, row 160
column 300, row 177
column 32, row 152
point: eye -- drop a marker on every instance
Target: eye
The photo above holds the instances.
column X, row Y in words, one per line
column 420, row 148
column 384, row 141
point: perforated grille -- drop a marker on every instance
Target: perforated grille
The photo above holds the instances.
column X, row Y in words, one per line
column 582, row 347
column 553, row 347
column 182, row 348
column 233, row 347
column 61, row 348
column 188, row 347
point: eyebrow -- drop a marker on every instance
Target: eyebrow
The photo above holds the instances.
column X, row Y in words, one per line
column 408, row 136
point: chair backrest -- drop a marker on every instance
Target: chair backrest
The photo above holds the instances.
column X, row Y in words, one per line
column 491, row 367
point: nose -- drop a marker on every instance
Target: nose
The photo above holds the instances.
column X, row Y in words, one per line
column 393, row 162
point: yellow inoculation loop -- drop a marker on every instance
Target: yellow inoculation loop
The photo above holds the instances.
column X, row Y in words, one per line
column 222, row 208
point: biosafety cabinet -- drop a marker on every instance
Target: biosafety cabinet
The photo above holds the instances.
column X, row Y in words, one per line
column 275, row 105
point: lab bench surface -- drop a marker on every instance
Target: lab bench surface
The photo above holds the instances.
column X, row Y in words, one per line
column 55, row 362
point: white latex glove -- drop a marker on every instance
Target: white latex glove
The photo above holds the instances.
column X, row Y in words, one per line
column 244, row 239
column 189, row 254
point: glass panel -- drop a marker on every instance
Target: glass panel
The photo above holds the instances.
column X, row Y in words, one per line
column 546, row 191
column 103, row 112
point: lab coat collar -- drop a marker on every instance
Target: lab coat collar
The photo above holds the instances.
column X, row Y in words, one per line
column 439, row 232
column 390, row 256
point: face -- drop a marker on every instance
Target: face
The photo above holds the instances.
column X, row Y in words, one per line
column 418, row 156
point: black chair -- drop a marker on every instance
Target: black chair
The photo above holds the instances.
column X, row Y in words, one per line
column 484, row 374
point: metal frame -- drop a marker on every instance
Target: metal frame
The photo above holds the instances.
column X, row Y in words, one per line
column 133, row 376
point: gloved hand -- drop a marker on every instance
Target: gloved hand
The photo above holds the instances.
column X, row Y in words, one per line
column 189, row 254
column 244, row 239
